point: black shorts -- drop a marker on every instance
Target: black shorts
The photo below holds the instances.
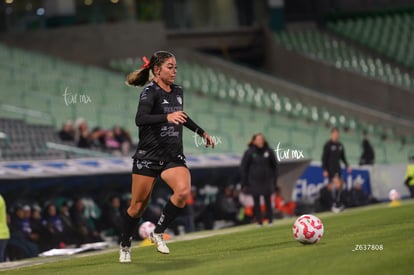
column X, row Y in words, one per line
column 153, row 168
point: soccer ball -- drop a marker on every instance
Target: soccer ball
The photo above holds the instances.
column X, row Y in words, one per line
column 307, row 229
column 145, row 229
column 393, row 195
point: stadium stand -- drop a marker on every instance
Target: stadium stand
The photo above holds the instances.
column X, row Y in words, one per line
column 320, row 45
column 388, row 34
column 244, row 108
column 26, row 141
column 56, row 90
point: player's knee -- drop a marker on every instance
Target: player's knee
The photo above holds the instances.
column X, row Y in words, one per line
column 183, row 193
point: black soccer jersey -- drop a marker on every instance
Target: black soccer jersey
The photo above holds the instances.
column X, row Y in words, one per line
column 333, row 153
column 159, row 139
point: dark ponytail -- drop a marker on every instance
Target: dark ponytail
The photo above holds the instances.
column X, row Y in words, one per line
column 138, row 77
column 141, row 76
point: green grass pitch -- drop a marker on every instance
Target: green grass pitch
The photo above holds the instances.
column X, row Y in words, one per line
column 268, row 250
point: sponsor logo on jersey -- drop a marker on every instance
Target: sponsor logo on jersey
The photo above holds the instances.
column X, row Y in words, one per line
column 169, row 131
column 169, row 109
column 144, row 95
column 180, row 100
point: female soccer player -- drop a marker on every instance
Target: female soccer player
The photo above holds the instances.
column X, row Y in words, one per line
column 160, row 119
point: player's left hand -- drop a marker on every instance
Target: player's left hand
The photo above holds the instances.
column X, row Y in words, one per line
column 349, row 169
column 209, row 140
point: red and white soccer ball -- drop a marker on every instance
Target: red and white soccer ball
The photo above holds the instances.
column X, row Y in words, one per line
column 145, row 229
column 307, row 229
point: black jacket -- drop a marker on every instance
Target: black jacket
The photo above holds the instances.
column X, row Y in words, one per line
column 259, row 170
column 333, row 153
column 368, row 155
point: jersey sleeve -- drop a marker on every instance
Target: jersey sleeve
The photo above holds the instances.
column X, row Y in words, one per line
column 274, row 164
column 190, row 124
column 343, row 157
column 244, row 168
column 325, row 156
column 145, row 106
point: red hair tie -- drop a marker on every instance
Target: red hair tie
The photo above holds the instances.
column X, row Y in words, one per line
column 146, row 62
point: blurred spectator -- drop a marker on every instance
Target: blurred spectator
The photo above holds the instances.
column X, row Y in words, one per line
column 112, row 220
column 67, row 133
column 27, row 224
column 259, row 175
column 22, row 239
column 4, row 229
column 356, row 196
column 71, row 235
column 82, row 134
column 409, row 176
column 54, row 226
column 325, row 199
column 85, row 138
column 330, row 198
column 203, row 211
column 85, row 228
column 117, row 139
column 368, row 154
column 226, row 206
column 111, row 142
column 123, row 137
column 98, row 136
column 38, row 229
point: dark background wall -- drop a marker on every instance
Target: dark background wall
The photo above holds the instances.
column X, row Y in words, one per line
column 299, row 10
column 93, row 44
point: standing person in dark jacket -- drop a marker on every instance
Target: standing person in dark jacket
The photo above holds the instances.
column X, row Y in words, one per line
column 368, row 154
column 259, row 174
column 333, row 153
column 160, row 119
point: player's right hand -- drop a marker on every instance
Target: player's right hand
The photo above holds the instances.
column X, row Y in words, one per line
column 325, row 174
column 178, row 117
column 209, row 140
